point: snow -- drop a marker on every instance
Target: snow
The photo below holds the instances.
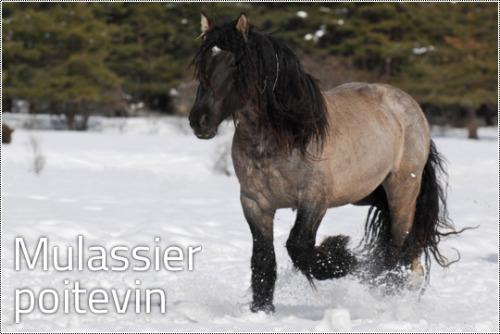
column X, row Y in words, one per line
column 420, row 51
column 423, row 50
column 317, row 35
column 336, row 320
column 302, row 14
column 126, row 182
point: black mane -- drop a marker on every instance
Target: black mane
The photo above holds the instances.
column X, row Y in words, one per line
column 288, row 99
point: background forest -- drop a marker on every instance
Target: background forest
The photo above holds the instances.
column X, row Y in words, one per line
column 121, row 59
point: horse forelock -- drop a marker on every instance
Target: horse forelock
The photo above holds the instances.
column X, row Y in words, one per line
column 224, row 37
column 288, row 100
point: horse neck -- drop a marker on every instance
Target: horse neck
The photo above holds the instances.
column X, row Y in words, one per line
column 252, row 132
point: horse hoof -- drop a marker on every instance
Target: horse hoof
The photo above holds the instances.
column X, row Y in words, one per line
column 416, row 281
column 416, row 267
column 267, row 308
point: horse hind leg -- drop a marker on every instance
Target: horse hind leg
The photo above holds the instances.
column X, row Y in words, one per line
column 431, row 216
column 419, row 229
column 409, row 219
column 402, row 189
column 388, row 229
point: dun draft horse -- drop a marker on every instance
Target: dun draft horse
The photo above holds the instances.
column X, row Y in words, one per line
column 297, row 147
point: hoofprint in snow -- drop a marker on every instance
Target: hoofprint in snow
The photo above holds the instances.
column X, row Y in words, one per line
column 150, row 183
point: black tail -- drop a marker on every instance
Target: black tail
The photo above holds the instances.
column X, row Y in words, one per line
column 429, row 225
column 431, row 215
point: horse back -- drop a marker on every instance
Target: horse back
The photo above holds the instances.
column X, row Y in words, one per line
column 372, row 107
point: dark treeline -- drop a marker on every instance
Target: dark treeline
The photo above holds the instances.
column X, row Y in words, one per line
column 81, row 58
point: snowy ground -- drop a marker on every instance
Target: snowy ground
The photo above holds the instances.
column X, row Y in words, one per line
column 127, row 182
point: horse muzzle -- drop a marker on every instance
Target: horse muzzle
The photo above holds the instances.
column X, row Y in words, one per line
column 201, row 127
column 205, row 134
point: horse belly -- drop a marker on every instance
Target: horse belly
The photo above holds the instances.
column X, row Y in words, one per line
column 350, row 188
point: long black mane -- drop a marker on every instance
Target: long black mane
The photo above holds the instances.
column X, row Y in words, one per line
column 287, row 98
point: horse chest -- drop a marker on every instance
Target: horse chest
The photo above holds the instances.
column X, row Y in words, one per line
column 274, row 182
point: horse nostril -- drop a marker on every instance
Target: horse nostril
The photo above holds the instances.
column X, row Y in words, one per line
column 203, row 121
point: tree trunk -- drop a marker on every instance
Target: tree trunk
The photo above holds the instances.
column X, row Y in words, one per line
column 472, row 123
column 70, row 120
column 85, row 118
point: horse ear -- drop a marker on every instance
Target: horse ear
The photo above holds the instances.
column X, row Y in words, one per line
column 242, row 26
column 206, row 24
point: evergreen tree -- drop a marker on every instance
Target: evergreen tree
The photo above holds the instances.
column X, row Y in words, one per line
column 146, row 52
column 54, row 54
column 455, row 70
column 75, row 58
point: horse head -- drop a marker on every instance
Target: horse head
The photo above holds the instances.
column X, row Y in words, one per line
column 218, row 68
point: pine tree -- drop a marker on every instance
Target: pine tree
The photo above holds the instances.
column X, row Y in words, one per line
column 54, row 54
column 455, row 69
column 80, row 57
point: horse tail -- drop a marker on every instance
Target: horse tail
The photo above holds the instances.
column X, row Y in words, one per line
column 431, row 214
column 431, row 223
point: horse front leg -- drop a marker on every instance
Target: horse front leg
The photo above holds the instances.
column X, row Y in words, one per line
column 331, row 259
column 263, row 261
